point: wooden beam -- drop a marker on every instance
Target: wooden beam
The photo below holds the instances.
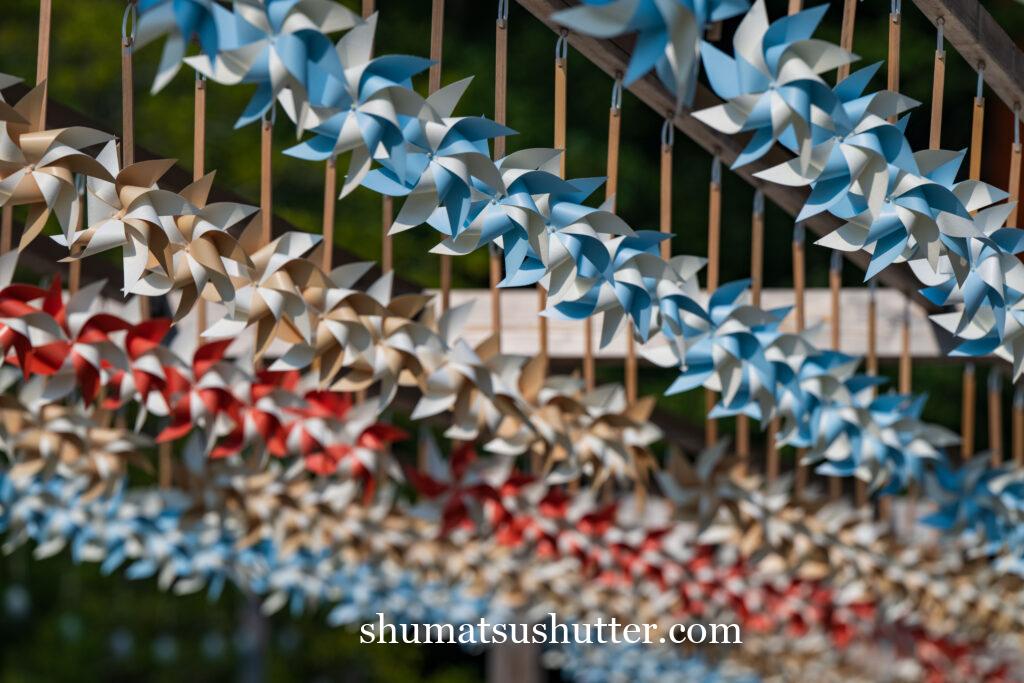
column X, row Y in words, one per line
column 979, row 38
column 612, row 56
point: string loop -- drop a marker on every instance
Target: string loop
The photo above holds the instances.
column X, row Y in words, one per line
column 130, row 18
column 668, row 133
column 562, row 45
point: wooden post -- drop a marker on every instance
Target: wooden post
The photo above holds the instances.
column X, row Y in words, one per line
column 198, row 171
column 995, row 416
column 43, row 56
column 967, row 413
column 668, row 136
column 714, row 247
column 611, row 191
column 846, row 36
column 330, row 199
column 938, row 88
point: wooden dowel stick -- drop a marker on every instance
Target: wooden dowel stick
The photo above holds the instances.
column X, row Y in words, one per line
column 756, row 266
column 7, row 228
column 977, row 127
column 198, row 171
column 43, row 56
column 893, row 73
column 995, row 416
column 835, row 286
column 1018, row 428
column 846, row 36
column 665, row 196
column 500, row 109
column 799, row 294
column 938, row 89
column 1015, row 162
column 967, row 413
column 330, row 199
column 436, row 50
column 772, row 451
column 611, row 190
column 714, row 249
column 561, row 100
column 368, row 7
column 872, row 360
column 266, row 181
column 795, row 6
column 906, row 363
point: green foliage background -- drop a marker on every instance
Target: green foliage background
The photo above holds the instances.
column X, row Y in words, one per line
column 76, row 621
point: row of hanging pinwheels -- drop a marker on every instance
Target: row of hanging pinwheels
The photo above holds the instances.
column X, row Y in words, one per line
column 174, row 242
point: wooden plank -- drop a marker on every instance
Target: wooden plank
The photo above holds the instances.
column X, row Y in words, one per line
column 612, row 57
column 978, row 37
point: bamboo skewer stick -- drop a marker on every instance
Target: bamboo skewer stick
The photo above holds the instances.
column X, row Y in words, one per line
column 906, row 366
column 43, row 56
column 756, row 268
column 995, row 416
column 500, row 107
column 978, row 125
column 330, row 198
column 561, row 85
column 1015, row 160
column 714, row 248
column 938, row 88
column 436, row 50
column 668, row 135
column 198, row 171
column 967, row 413
column 611, row 191
column 893, row 74
column 1018, row 427
column 800, row 319
column 795, row 6
column 835, row 284
column 846, row 36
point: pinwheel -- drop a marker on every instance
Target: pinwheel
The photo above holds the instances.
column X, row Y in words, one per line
column 37, row 167
column 366, row 110
column 283, row 48
column 199, row 250
column 181, row 21
column 128, row 213
column 669, row 34
column 773, row 84
column 442, row 157
column 923, row 215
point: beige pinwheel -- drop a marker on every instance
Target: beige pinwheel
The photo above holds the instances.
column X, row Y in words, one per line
column 38, row 167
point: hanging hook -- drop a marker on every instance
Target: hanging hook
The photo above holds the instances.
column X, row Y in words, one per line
column 270, row 116
column 798, row 233
column 668, row 133
column 940, row 40
column 836, row 262
column 617, row 92
column 980, row 92
column 716, row 170
column 562, row 45
column 130, row 18
column 896, row 7
column 759, row 202
column 502, row 13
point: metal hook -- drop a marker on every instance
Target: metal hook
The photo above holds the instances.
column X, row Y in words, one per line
column 980, row 92
column 759, row 202
column 836, row 262
column 940, row 40
column 502, row 12
column 562, row 45
column 896, row 7
column 617, row 92
column 1016, row 123
column 130, row 16
column 716, row 170
column 668, row 133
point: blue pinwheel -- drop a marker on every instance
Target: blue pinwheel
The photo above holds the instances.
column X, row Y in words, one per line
column 282, row 47
column 181, row 21
column 668, row 34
